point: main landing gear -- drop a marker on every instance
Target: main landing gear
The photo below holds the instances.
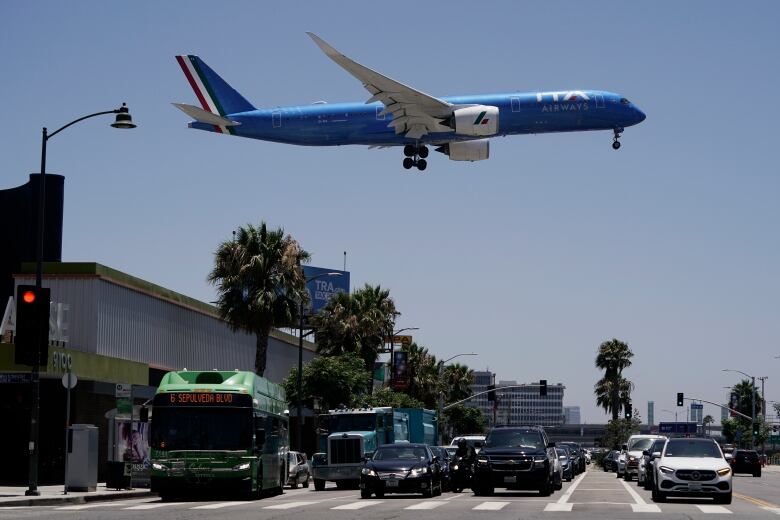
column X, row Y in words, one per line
column 415, row 156
column 615, row 142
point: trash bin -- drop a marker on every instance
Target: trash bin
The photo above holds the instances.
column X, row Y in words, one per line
column 118, row 477
column 82, row 458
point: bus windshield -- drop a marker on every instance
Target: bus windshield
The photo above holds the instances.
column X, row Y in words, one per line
column 202, row 428
column 351, row 423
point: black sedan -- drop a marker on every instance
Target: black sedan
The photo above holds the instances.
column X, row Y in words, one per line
column 401, row 468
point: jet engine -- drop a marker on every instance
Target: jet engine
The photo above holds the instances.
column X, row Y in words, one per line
column 477, row 150
column 477, row 120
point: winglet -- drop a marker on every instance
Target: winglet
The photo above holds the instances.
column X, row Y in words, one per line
column 324, row 46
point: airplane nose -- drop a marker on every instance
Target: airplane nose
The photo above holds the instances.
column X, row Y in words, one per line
column 640, row 116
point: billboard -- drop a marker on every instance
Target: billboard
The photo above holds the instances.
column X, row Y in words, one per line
column 678, row 428
column 400, row 370
column 322, row 287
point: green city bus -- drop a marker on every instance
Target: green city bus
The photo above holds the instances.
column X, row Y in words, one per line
column 218, row 432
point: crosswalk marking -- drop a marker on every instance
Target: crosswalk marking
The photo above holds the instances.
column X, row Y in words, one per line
column 290, row 505
column 426, row 505
column 89, row 506
column 359, row 505
column 219, row 505
column 153, row 505
column 490, row 506
column 714, row 509
column 775, row 510
column 645, row 508
column 558, row 507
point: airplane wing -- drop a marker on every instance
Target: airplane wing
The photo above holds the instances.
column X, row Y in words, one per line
column 414, row 113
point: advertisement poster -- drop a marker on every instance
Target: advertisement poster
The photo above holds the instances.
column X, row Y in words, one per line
column 132, row 445
column 400, row 370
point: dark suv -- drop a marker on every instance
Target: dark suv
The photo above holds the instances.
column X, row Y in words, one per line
column 746, row 461
column 519, row 457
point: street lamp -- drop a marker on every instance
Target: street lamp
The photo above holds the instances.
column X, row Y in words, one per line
column 299, row 381
column 123, row 120
column 752, row 400
column 441, row 393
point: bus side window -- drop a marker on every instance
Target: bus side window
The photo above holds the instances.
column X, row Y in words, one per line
column 259, row 439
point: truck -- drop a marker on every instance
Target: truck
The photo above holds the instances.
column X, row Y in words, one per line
column 218, row 431
column 348, row 435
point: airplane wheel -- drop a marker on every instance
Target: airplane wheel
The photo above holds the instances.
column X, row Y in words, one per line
column 410, row 150
column 423, row 151
column 422, row 164
column 616, row 145
column 408, row 163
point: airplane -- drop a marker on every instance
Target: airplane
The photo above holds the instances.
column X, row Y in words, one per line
column 399, row 115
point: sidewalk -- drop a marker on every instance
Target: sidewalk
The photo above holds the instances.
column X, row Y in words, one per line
column 54, row 495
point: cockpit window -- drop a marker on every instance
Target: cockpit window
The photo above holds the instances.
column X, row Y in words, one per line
column 624, row 101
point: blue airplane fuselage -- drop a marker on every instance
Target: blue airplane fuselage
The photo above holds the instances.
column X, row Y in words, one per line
column 334, row 124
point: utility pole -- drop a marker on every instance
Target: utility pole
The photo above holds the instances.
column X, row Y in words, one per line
column 763, row 396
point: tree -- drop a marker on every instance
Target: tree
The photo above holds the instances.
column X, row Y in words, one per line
column 259, row 283
column 613, row 356
column 706, row 421
column 356, row 323
column 461, row 420
column 424, row 383
column 334, row 381
column 618, row 431
column 386, row 397
column 458, row 379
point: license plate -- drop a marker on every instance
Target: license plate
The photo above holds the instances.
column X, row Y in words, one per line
column 694, row 486
column 392, row 483
column 510, row 480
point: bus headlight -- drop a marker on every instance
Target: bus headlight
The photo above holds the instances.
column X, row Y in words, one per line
column 241, row 467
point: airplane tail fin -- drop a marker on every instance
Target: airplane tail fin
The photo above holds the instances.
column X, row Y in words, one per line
column 213, row 92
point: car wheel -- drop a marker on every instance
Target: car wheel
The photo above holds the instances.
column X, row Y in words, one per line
column 627, row 476
column 364, row 493
column 723, row 499
column 546, row 489
column 306, row 482
column 380, row 494
column 319, row 484
column 658, row 496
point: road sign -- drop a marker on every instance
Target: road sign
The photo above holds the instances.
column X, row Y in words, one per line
column 697, row 406
column 123, row 390
column 72, row 382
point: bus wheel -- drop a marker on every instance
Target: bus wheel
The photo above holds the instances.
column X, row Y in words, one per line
column 319, row 484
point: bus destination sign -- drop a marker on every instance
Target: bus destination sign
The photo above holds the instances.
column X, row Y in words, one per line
column 202, row 399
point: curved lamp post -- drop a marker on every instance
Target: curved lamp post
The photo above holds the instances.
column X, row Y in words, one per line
column 123, row 120
column 299, row 379
column 441, row 394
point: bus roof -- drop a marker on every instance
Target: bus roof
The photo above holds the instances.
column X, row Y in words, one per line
column 266, row 395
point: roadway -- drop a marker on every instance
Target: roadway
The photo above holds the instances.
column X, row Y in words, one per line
column 593, row 495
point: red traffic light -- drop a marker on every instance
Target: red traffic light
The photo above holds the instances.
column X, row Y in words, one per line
column 28, row 296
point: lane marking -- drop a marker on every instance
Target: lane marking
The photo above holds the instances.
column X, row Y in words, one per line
column 89, row 506
column 290, row 505
column 638, row 500
column 756, row 501
column 714, row 509
column 220, row 505
column 490, row 506
column 565, row 498
column 645, row 508
column 775, row 510
column 427, row 505
column 359, row 505
column 154, row 506
column 453, row 497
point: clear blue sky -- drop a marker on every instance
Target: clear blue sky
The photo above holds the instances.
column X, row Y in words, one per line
column 531, row 258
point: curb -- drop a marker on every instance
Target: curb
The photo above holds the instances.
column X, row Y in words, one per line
column 81, row 499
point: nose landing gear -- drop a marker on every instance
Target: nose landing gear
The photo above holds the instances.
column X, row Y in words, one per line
column 615, row 142
column 415, row 156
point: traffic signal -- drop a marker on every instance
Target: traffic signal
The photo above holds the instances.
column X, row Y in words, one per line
column 755, row 430
column 32, row 325
column 491, row 392
column 679, row 398
column 628, row 409
column 542, row 387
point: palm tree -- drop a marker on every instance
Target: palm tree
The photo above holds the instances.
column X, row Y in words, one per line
column 613, row 356
column 356, row 322
column 259, row 283
column 706, row 421
column 458, row 379
column 423, row 374
column 744, row 389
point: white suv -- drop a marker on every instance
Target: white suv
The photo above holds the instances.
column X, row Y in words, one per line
column 632, row 452
column 692, row 468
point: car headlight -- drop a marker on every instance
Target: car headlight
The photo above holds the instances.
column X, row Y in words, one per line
column 416, row 472
column 159, row 467
column 455, row 467
column 539, row 462
column 368, row 471
column 241, row 467
column 482, row 461
column 665, row 470
column 723, row 472
column 631, row 459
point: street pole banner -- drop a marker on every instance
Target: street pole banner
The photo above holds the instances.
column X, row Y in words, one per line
column 323, row 287
column 400, row 370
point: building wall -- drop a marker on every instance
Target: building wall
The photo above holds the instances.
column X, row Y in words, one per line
column 572, row 415
column 518, row 406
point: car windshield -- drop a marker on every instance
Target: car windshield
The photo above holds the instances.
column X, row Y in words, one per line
column 657, row 446
column 401, row 453
column 691, row 448
column 514, row 439
column 562, row 453
column 640, row 444
column 351, row 423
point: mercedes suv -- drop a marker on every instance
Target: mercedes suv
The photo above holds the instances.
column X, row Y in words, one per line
column 515, row 458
